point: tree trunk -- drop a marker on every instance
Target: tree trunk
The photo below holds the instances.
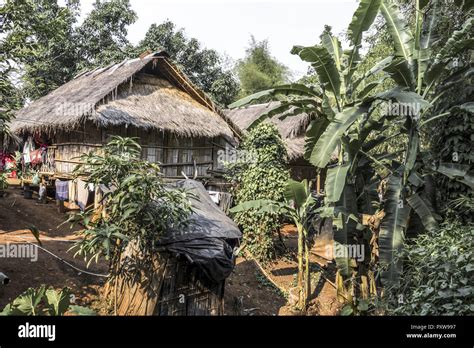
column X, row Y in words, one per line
column 300, row 265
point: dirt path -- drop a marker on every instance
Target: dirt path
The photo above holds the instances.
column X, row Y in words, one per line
column 17, row 215
column 248, row 292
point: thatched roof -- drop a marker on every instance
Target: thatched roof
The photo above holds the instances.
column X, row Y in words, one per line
column 292, row 129
column 148, row 92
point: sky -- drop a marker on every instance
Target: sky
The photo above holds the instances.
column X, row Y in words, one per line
column 226, row 25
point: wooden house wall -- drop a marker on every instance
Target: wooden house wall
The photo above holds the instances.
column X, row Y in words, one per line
column 174, row 153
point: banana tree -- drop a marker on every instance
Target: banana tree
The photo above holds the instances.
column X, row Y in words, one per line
column 299, row 205
column 350, row 117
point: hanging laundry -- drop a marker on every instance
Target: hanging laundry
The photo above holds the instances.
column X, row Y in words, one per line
column 72, row 204
column 27, row 148
column 82, row 194
column 35, row 157
column 62, row 190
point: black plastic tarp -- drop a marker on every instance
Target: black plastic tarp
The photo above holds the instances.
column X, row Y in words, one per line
column 209, row 237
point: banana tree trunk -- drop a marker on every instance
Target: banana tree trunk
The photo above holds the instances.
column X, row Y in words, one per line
column 307, row 291
column 300, row 265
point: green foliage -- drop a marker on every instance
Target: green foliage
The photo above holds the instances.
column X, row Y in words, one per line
column 44, row 302
column 298, row 205
column 438, row 274
column 451, row 141
column 259, row 70
column 39, row 42
column 205, row 67
column 44, row 48
column 102, row 37
column 138, row 209
column 355, row 119
column 260, row 174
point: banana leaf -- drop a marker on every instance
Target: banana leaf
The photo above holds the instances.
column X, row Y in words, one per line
column 398, row 29
column 323, row 63
column 294, row 89
column 328, row 141
column 314, row 131
column 424, row 211
column 362, row 19
column 344, row 229
column 297, row 192
column 335, row 181
column 459, row 172
column 392, row 231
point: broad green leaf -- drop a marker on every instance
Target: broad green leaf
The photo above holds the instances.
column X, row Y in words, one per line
column 297, row 192
column 344, row 228
column 362, row 19
column 335, row 182
column 404, row 97
column 323, row 63
column 333, row 45
column 379, row 66
column 314, row 131
column 400, row 71
column 424, row 211
column 398, row 29
column 294, row 89
column 288, row 109
column 58, row 301
column 369, row 87
column 424, row 38
column 459, row 172
column 347, row 310
column 328, row 141
column 392, row 231
column 412, row 151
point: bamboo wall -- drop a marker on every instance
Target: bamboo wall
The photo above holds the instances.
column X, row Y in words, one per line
column 197, row 155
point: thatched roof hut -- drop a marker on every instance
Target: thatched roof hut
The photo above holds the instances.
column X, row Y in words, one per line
column 107, row 97
column 292, row 129
column 177, row 124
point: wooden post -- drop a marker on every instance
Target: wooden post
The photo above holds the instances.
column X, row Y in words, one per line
column 318, row 184
column 60, row 205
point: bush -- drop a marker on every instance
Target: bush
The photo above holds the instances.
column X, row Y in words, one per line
column 138, row 209
column 438, row 274
column 44, row 302
column 262, row 174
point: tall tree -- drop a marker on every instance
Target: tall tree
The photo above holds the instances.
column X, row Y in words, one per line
column 37, row 48
column 259, row 70
column 203, row 66
column 102, row 37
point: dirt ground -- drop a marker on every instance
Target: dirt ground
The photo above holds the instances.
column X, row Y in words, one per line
column 248, row 291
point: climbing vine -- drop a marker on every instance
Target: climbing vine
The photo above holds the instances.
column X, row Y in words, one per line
column 260, row 174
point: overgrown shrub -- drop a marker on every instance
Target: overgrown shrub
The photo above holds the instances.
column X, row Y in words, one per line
column 451, row 141
column 438, row 274
column 260, row 172
column 138, row 208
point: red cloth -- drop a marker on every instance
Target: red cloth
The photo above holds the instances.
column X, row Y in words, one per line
column 35, row 157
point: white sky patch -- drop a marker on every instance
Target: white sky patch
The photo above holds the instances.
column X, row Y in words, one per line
column 226, row 25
